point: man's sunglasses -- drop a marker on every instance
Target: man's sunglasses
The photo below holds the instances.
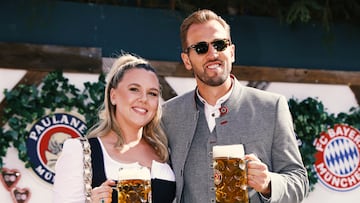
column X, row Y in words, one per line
column 203, row 47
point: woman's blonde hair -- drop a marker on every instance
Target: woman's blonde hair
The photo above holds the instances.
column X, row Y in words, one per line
column 152, row 132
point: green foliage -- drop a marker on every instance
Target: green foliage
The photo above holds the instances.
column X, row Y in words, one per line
column 310, row 119
column 291, row 12
column 301, row 11
column 26, row 104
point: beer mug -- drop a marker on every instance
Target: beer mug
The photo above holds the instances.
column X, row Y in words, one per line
column 134, row 185
column 230, row 174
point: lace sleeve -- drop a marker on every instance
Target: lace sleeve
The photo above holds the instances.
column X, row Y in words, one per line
column 87, row 168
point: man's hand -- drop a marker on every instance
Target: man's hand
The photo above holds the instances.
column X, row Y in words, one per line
column 258, row 175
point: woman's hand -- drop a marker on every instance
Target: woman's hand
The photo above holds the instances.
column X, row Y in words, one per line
column 103, row 193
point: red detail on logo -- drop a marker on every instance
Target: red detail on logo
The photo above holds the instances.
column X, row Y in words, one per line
column 46, row 138
column 337, row 161
column 44, row 141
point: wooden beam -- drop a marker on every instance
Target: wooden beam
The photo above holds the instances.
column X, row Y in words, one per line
column 269, row 74
column 88, row 60
column 30, row 78
column 274, row 74
column 297, row 75
column 356, row 90
column 171, row 69
column 166, row 90
column 50, row 57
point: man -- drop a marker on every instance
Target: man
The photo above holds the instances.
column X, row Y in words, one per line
column 220, row 111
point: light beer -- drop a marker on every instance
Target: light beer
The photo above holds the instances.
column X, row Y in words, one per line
column 230, row 176
column 134, row 191
column 134, row 185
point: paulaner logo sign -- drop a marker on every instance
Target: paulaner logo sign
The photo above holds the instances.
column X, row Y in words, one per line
column 46, row 139
column 337, row 158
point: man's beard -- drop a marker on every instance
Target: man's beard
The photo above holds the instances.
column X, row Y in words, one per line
column 212, row 81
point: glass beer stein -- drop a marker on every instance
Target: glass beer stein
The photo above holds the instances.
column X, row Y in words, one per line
column 230, row 174
column 134, row 185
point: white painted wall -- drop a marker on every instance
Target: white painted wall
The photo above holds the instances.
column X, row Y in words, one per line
column 336, row 98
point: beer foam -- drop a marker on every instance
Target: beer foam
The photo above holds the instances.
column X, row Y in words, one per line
column 233, row 151
column 142, row 173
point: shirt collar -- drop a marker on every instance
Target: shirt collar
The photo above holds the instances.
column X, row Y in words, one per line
column 220, row 100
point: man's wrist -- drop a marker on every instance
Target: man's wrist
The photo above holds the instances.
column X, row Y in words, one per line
column 267, row 192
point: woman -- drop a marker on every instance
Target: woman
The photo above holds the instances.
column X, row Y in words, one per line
column 128, row 134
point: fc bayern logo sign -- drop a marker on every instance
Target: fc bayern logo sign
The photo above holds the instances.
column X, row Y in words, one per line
column 337, row 158
column 46, row 138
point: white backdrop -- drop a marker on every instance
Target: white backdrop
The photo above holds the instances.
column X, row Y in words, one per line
column 336, row 98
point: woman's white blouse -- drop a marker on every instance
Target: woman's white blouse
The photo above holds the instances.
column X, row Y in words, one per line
column 69, row 185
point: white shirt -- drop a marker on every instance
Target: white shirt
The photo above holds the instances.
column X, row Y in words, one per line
column 69, row 182
column 213, row 112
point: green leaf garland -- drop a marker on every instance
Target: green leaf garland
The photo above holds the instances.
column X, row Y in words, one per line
column 25, row 104
column 310, row 120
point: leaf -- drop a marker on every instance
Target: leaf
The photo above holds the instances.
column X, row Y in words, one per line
column 25, row 104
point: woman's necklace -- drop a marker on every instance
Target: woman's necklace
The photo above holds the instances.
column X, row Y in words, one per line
column 127, row 146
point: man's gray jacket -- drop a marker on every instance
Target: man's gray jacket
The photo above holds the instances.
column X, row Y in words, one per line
column 258, row 119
